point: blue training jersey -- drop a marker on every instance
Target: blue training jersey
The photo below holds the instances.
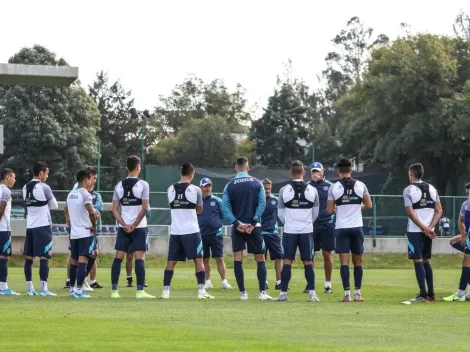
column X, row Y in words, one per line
column 322, row 188
column 269, row 218
column 243, row 200
column 211, row 219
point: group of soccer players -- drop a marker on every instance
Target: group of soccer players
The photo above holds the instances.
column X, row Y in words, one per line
column 315, row 215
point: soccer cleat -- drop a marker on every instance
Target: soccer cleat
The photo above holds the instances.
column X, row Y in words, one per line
column 31, row 293
column 267, row 286
column 358, row 298
column 454, row 298
column 226, row 286
column 346, row 298
column 86, row 287
column 47, row 293
column 328, row 290
column 165, row 295
column 419, row 298
column 95, row 285
column 313, row 298
column 263, row 296
column 205, row 296
column 81, row 295
column 467, row 298
column 72, row 293
column 208, row 285
column 306, row 289
column 145, row 284
column 115, row 294
column 281, row 298
column 67, row 284
column 431, row 299
column 9, row 292
column 129, row 282
column 278, row 286
column 143, row 294
column 244, row 296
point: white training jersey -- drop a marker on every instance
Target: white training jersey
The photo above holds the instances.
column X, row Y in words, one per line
column 39, row 216
column 422, row 203
column 5, row 196
column 129, row 213
column 348, row 201
column 183, row 199
column 80, row 222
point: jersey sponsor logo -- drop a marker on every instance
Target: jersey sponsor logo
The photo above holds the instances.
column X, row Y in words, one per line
column 240, row 180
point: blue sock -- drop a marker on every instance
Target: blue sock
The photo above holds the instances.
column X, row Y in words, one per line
column 239, row 275
column 115, row 272
column 464, row 278
column 286, row 274
column 344, row 271
column 421, row 278
column 89, row 266
column 81, row 274
column 358, row 272
column 140, row 273
column 3, row 270
column 44, row 269
column 201, row 277
column 429, row 278
column 28, row 270
column 310, row 276
column 73, row 274
column 167, row 276
column 459, row 246
column 262, row 273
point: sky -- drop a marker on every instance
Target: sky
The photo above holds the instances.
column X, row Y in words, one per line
column 151, row 46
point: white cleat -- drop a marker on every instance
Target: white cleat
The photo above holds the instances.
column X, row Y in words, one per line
column 226, row 286
column 263, row 296
column 244, row 296
column 165, row 295
column 86, row 287
column 313, row 298
column 205, row 296
column 282, row 298
column 208, row 285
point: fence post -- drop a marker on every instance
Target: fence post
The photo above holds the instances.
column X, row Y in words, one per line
column 374, row 207
column 453, row 214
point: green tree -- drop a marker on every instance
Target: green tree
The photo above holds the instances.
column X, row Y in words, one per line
column 247, row 148
column 413, row 106
column 462, row 25
column 54, row 124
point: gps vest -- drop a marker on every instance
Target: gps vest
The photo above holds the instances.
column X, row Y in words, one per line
column 129, row 199
column 349, row 196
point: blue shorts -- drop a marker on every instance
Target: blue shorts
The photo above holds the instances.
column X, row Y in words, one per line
column 303, row 241
column 136, row 241
column 254, row 242
column 5, row 243
column 324, row 237
column 349, row 240
column 213, row 244
column 185, row 246
column 83, row 247
column 38, row 242
column 274, row 246
column 419, row 246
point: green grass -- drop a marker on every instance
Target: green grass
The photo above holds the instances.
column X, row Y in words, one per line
column 183, row 323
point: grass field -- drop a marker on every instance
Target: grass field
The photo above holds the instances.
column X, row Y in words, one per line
column 183, row 323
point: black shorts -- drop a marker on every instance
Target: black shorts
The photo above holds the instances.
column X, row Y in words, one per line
column 274, row 246
column 254, row 242
column 213, row 244
column 184, row 246
column 303, row 241
column 83, row 247
column 349, row 240
column 136, row 241
column 5, row 243
column 38, row 242
column 324, row 237
column 419, row 246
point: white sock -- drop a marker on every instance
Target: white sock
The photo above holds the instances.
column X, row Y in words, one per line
column 460, row 293
column 92, row 282
column 30, row 285
column 468, row 291
column 79, row 291
column 347, row 292
column 166, row 288
column 202, row 291
column 43, row 285
column 327, row 283
column 283, row 293
column 278, row 282
column 357, row 291
column 208, row 281
column 312, row 292
column 224, row 281
column 72, row 289
column 3, row 286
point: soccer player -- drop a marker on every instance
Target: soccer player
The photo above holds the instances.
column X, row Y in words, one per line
column 298, row 209
column 424, row 210
column 185, row 202
column 210, row 223
column 324, row 226
column 243, row 203
column 8, row 180
column 81, row 219
column 38, row 242
column 350, row 197
column 444, row 226
column 269, row 228
column 130, row 204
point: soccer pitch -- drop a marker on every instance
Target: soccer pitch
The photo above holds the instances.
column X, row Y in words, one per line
column 184, row 323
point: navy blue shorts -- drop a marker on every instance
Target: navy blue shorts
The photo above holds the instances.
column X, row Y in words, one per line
column 419, row 246
column 303, row 241
column 213, row 244
column 349, row 240
column 83, row 247
column 254, row 242
column 274, row 246
column 136, row 241
column 324, row 237
column 38, row 242
column 185, row 246
column 5, row 243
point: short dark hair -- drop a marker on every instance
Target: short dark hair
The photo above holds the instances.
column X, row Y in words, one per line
column 6, row 172
column 344, row 166
column 417, row 170
column 39, row 167
column 92, row 170
column 242, row 161
column 82, row 175
column 467, row 185
column 267, row 181
column 187, row 169
column 297, row 167
column 132, row 163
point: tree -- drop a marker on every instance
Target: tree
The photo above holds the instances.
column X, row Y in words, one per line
column 412, row 106
column 205, row 143
column 462, row 25
column 247, row 148
column 54, row 124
